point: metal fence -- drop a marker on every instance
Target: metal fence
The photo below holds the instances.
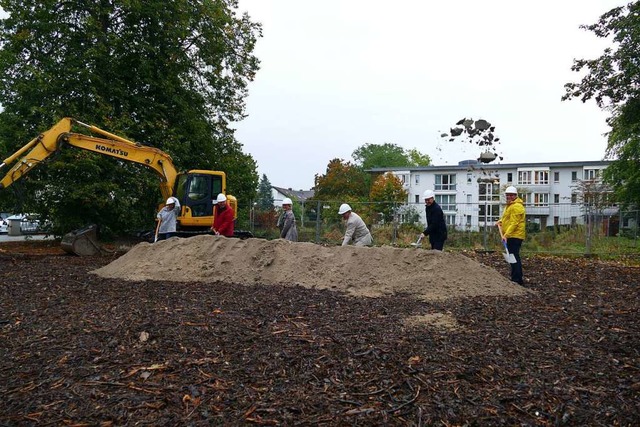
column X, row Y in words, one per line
column 563, row 228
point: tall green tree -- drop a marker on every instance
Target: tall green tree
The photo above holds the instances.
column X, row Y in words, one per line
column 623, row 174
column 416, row 158
column 613, row 81
column 169, row 74
column 369, row 156
column 264, row 199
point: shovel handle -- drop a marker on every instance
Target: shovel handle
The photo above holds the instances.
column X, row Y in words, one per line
column 501, row 233
column 157, row 229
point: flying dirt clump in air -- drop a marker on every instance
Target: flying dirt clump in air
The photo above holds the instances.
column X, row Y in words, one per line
column 358, row 271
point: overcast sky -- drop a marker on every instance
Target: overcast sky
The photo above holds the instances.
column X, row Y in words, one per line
column 338, row 74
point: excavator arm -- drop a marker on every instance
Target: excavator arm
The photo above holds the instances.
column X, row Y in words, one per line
column 195, row 189
column 49, row 142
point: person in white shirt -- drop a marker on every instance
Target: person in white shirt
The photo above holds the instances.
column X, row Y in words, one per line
column 356, row 228
column 167, row 219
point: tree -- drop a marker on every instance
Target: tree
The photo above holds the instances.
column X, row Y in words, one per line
column 416, row 158
column 264, row 200
column 612, row 80
column 342, row 181
column 386, row 191
column 623, row 174
column 172, row 75
column 242, row 176
column 369, row 156
column 265, row 215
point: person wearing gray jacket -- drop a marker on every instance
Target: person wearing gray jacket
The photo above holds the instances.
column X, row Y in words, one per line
column 356, row 228
column 287, row 222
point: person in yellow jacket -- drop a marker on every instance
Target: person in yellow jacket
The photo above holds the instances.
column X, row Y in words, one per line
column 513, row 229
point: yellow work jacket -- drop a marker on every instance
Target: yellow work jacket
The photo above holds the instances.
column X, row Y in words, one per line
column 513, row 220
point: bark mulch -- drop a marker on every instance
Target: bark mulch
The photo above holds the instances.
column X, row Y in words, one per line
column 79, row 350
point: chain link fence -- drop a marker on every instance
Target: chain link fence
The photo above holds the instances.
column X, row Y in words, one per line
column 563, row 229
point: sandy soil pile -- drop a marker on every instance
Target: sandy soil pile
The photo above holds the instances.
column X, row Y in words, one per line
column 375, row 271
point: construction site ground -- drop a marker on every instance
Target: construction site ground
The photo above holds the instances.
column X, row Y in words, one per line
column 204, row 332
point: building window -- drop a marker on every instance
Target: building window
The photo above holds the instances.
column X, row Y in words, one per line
column 541, row 177
column 488, row 192
column 469, row 198
column 469, row 178
column 574, row 176
column 524, row 177
column 574, row 198
column 574, row 221
column 591, row 174
column 417, row 179
column 556, row 198
column 556, row 220
column 536, row 177
column 446, row 201
column 509, row 177
column 556, row 177
column 417, row 198
column 539, row 199
column 602, row 199
column 445, row 182
column 468, row 219
column 450, row 219
column 489, row 213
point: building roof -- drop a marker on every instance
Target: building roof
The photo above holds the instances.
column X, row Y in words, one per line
column 475, row 165
column 299, row 195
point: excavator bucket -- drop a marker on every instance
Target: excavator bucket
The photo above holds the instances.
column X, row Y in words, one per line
column 82, row 242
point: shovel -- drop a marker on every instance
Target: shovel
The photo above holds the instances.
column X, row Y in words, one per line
column 416, row 244
column 155, row 239
column 509, row 257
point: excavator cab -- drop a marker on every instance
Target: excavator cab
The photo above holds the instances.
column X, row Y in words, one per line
column 197, row 190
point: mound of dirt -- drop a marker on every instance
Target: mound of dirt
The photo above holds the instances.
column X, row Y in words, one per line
column 368, row 271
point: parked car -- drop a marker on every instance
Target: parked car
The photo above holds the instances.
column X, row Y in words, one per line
column 4, row 226
column 29, row 223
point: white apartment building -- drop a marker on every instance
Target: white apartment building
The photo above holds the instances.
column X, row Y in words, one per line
column 470, row 193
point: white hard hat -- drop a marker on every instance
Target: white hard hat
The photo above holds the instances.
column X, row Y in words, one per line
column 287, row 201
column 429, row 194
column 221, row 198
column 511, row 190
column 344, row 208
column 170, row 201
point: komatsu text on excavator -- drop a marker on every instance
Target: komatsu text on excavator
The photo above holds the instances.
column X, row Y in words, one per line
column 195, row 189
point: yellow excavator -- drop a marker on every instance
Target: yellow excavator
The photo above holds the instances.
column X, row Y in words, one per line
column 196, row 190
